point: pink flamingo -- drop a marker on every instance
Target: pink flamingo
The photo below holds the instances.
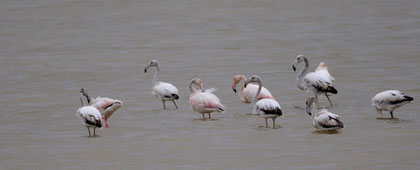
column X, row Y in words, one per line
column 203, row 100
column 105, row 105
column 246, row 94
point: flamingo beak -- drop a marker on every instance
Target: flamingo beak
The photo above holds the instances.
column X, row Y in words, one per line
column 308, row 110
column 234, row 87
column 294, row 65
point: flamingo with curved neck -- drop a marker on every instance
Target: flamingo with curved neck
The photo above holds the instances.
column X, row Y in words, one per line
column 267, row 108
column 246, row 94
column 317, row 82
column 162, row 90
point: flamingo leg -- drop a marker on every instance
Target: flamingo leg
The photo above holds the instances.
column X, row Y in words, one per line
column 328, row 99
column 89, row 131
column 209, row 116
column 163, row 102
column 202, row 114
column 106, row 122
column 266, row 123
column 392, row 114
column 274, row 123
column 378, row 111
column 94, row 133
column 175, row 104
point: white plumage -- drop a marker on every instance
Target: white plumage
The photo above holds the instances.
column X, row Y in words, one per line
column 162, row 90
column 203, row 100
column 389, row 101
column 90, row 117
column 316, row 82
column 323, row 120
column 246, row 94
column 267, row 108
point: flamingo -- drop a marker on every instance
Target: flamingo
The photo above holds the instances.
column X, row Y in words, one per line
column 317, row 82
column 106, row 106
column 389, row 101
column 162, row 90
column 246, row 94
column 90, row 117
column 322, row 120
column 203, row 100
column 268, row 107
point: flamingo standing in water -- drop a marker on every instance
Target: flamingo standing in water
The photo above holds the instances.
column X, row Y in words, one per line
column 90, row 117
column 323, row 120
column 203, row 100
column 162, row 90
column 246, row 94
column 389, row 101
column 268, row 107
column 317, row 82
column 106, row 106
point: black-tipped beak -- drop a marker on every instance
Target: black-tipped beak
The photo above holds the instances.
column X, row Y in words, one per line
column 294, row 68
column 145, row 70
column 234, row 90
column 308, row 110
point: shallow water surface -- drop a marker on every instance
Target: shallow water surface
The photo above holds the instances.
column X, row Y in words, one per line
column 50, row 49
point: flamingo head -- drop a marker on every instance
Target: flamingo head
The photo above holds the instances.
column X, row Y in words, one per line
column 199, row 83
column 254, row 78
column 236, row 80
column 152, row 63
column 299, row 59
column 309, row 102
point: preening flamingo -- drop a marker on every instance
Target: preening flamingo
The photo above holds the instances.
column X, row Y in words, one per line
column 323, row 120
column 90, row 117
column 106, row 106
column 317, row 82
column 268, row 107
column 162, row 90
column 203, row 100
column 246, row 94
column 389, row 101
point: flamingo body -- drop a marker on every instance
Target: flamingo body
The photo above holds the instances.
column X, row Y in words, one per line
column 165, row 91
column 326, row 120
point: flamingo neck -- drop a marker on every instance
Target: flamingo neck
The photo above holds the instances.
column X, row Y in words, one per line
column 301, row 74
column 192, row 89
column 255, row 98
column 155, row 77
column 314, row 108
column 242, row 78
